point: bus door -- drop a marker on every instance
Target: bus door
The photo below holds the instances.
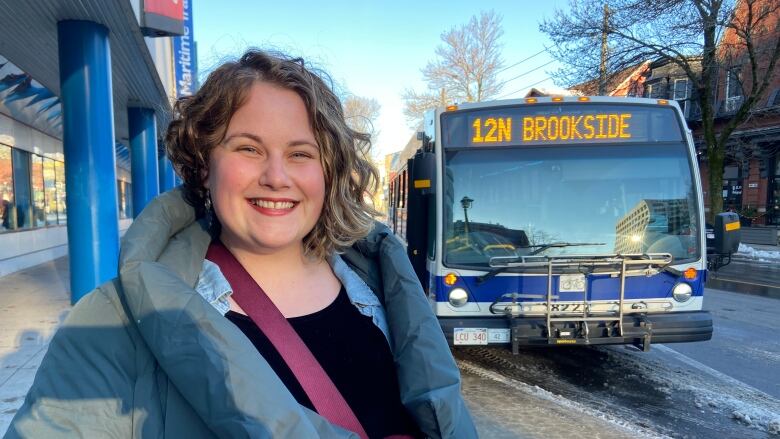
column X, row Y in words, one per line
column 421, row 168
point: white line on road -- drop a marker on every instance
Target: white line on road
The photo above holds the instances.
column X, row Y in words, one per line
column 712, row 372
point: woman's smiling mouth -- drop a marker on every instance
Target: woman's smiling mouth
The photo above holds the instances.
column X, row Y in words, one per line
column 270, row 206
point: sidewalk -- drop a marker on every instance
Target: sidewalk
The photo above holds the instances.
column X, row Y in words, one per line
column 33, row 303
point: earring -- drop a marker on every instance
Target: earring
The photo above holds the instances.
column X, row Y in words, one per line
column 207, row 201
column 209, row 209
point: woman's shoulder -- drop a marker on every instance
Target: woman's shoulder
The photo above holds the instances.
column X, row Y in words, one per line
column 98, row 321
column 101, row 305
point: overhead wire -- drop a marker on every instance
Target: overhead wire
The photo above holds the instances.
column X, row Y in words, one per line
column 503, row 83
column 523, row 88
column 524, row 59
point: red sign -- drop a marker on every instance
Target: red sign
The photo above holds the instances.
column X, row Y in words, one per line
column 167, row 8
column 163, row 18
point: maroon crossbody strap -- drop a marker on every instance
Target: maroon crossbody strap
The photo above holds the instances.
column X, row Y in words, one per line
column 318, row 386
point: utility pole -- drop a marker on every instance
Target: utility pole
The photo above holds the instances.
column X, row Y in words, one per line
column 604, row 48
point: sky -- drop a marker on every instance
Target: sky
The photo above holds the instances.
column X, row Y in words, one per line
column 374, row 49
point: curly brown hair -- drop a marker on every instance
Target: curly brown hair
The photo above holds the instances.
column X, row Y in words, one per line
column 199, row 123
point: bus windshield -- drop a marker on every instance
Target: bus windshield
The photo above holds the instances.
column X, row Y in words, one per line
column 569, row 200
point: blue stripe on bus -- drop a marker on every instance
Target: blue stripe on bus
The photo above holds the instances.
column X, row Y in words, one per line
column 600, row 287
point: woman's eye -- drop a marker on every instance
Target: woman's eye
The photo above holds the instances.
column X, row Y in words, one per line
column 301, row 155
column 249, row 149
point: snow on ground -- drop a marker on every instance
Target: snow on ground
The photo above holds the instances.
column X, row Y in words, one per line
column 636, row 430
column 746, row 405
column 760, row 255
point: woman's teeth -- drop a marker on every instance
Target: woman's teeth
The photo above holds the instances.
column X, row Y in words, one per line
column 273, row 204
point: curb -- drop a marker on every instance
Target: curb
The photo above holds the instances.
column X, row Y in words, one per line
column 729, row 284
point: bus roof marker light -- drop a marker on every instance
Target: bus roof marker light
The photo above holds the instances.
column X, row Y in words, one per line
column 690, row 274
column 531, row 100
column 583, row 99
column 557, row 99
column 452, row 107
column 422, row 184
column 450, row 279
column 663, row 102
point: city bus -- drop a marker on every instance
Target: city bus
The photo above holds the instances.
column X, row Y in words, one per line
column 559, row 221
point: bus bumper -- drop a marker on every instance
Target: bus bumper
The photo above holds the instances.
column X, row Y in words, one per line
column 640, row 330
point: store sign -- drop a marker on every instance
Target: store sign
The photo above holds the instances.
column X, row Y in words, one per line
column 185, row 56
column 162, row 18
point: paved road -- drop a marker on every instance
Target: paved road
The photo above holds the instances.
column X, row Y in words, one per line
column 744, row 344
column 724, row 388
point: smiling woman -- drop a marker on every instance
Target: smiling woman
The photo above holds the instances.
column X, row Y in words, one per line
column 260, row 299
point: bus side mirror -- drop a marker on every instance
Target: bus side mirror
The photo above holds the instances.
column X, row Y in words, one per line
column 424, row 173
column 727, row 233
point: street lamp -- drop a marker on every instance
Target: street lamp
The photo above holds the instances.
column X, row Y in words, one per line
column 465, row 202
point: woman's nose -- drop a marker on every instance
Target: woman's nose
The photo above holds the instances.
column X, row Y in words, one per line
column 274, row 173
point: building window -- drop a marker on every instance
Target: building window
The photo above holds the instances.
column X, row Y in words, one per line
column 654, row 90
column 22, row 190
column 6, row 190
column 39, row 199
column 50, row 192
column 733, row 84
column 680, row 89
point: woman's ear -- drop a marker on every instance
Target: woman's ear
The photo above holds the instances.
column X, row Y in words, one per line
column 204, row 174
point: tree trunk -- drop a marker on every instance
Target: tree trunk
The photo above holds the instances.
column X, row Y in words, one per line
column 715, row 158
column 604, row 48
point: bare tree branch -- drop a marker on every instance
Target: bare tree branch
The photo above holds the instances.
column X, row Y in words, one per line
column 465, row 67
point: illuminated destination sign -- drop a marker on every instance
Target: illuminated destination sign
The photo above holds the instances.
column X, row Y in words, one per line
column 560, row 124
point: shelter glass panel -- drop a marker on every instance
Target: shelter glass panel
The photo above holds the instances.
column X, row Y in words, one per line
column 22, row 191
column 59, row 174
column 50, row 191
column 39, row 199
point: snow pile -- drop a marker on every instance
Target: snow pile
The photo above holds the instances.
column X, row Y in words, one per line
column 761, row 255
column 742, row 417
column 773, row 427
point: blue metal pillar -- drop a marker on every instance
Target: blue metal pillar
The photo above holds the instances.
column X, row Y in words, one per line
column 90, row 163
column 167, row 175
column 143, row 157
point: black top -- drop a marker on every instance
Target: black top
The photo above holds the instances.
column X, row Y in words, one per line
column 356, row 356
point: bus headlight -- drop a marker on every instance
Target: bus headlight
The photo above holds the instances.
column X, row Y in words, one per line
column 682, row 292
column 458, row 297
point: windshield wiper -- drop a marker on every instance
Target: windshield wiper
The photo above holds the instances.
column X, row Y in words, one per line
column 539, row 248
column 543, row 247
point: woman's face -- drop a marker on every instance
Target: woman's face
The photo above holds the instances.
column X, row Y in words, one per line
column 266, row 179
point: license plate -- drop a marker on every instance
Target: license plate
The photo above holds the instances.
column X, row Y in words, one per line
column 498, row 335
column 571, row 283
column 470, row 336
